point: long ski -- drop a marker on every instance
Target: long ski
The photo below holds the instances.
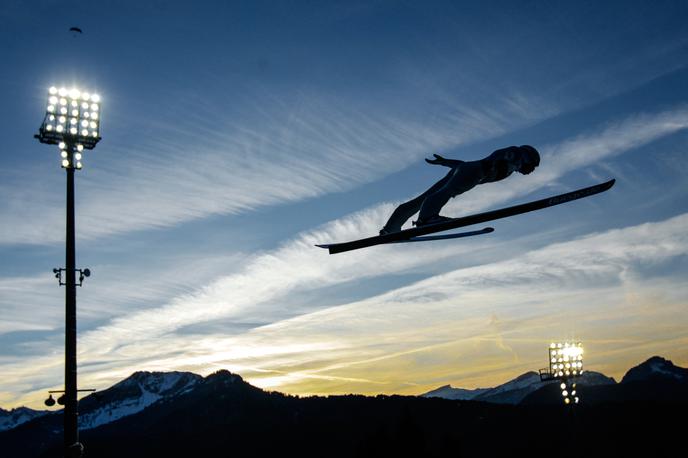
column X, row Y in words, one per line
column 415, row 232
column 459, row 235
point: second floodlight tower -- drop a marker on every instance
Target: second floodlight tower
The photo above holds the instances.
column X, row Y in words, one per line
column 565, row 365
column 72, row 122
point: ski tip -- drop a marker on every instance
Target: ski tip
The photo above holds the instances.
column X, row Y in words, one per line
column 487, row 230
column 325, row 246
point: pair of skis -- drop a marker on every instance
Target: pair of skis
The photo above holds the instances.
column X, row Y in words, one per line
column 420, row 234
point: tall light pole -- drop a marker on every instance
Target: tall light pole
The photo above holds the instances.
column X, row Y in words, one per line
column 72, row 121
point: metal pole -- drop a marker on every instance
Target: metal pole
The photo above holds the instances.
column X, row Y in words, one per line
column 71, row 431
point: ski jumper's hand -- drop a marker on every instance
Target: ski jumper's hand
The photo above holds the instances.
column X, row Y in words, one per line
column 439, row 160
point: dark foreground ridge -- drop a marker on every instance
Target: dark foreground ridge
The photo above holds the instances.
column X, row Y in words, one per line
column 221, row 416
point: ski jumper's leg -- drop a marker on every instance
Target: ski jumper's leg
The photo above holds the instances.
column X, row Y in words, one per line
column 433, row 203
column 406, row 210
column 459, row 180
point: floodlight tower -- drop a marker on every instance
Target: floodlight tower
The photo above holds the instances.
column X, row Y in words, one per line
column 565, row 364
column 72, row 121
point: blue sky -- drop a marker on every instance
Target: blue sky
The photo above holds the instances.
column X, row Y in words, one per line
column 236, row 135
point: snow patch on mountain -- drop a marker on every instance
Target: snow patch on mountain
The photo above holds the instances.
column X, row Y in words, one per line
column 12, row 418
column 656, row 367
column 513, row 391
column 449, row 392
column 132, row 395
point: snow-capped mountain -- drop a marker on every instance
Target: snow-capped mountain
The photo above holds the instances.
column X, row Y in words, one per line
column 15, row 417
column 449, row 392
column 510, row 392
column 656, row 367
column 132, row 395
column 513, row 391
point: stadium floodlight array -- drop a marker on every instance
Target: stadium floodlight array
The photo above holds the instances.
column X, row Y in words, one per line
column 565, row 363
column 72, row 121
column 565, row 359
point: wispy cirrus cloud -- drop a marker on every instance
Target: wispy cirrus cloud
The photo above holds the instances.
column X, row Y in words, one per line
column 503, row 313
column 197, row 163
column 493, row 318
column 262, row 290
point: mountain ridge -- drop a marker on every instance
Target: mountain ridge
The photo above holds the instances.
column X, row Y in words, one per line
column 143, row 389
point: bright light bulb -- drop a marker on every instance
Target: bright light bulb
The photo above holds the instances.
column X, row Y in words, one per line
column 85, row 96
column 53, row 100
column 51, row 117
column 61, row 145
column 74, row 93
column 75, row 103
column 84, row 123
column 63, row 101
column 567, row 400
column 564, row 393
column 93, row 125
column 65, row 163
column 63, row 119
column 576, row 400
column 563, row 386
column 94, row 115
column 84, row 132
column 73, row 130
column 73, row 120
column 573, row 393
column 52, row 90
column 95, row 98
column 77, row 156
column 86, row 114
column 63, row 154
column 51, row 108
column 62, row 92
column 79, row 147
column 78, row 165
column 48, row 127
column 84, row 106
column 94, row 107
column 95, row 133
column 75, row 112
column 63, row 110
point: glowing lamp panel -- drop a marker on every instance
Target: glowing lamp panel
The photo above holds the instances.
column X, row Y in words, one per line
column 72, row 116
column 566, row 359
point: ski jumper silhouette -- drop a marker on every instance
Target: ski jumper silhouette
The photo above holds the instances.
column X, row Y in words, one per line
column 463, row 176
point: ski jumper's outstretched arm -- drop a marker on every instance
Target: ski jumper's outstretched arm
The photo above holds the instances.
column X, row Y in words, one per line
column 439, row 160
